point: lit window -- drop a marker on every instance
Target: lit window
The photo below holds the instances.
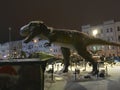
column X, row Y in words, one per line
column 109, row 47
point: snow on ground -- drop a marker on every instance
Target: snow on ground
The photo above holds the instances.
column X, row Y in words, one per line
column 67, row 81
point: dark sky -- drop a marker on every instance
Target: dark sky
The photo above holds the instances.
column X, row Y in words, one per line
column 69, row 14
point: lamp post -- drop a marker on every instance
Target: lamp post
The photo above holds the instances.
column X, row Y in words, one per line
column 51, row 50
column 94, row 33
column 9, row 42
column 35, row 40
column 36, row 44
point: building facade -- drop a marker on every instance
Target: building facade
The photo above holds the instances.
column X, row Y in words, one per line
column 110, row 31
column 10, row 49
column 13, row 49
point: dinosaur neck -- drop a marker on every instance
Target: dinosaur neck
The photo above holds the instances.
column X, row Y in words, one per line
column 45, row 34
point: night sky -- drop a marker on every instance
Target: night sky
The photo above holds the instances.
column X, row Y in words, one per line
column 65, row 14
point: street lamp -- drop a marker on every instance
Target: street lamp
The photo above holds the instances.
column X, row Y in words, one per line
column 9, row 42
column 36, row 44
column 94, row 33
column 51, row 51
column 35, row 40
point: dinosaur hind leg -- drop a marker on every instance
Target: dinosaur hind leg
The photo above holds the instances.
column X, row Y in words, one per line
column 66, row 56
column 88, row 57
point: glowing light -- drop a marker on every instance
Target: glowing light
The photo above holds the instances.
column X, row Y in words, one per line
column 5, row 56
column 95, row 32
column 35, row 41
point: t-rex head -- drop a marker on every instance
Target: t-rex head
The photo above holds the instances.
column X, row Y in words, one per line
column 32, row 29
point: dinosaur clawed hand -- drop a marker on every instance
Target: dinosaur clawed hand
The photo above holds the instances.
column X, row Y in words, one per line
column 47, row 44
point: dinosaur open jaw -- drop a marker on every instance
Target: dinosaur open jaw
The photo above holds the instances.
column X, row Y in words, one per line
column 26, row 40
column 29, row 38
column 24, row 31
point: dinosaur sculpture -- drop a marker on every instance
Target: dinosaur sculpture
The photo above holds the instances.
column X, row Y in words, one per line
column 67, row 39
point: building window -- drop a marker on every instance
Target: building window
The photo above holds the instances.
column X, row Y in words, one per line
column 107, row 30
column 118, row 28
column 111, row 30
column 108, row 39
column 113, row 47
column 119, row 38
column 30, row 46
column 109, row 47
column 111, row 39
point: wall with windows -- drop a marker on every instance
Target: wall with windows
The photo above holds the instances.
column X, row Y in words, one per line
column 4, row 50
column 38, row 46
column 10, row 49
column 108, row 30
column 14, row 49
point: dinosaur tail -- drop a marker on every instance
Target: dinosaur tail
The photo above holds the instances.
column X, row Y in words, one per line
column 98, row 41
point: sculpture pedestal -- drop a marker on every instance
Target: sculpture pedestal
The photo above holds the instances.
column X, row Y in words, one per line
column 30, row 73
